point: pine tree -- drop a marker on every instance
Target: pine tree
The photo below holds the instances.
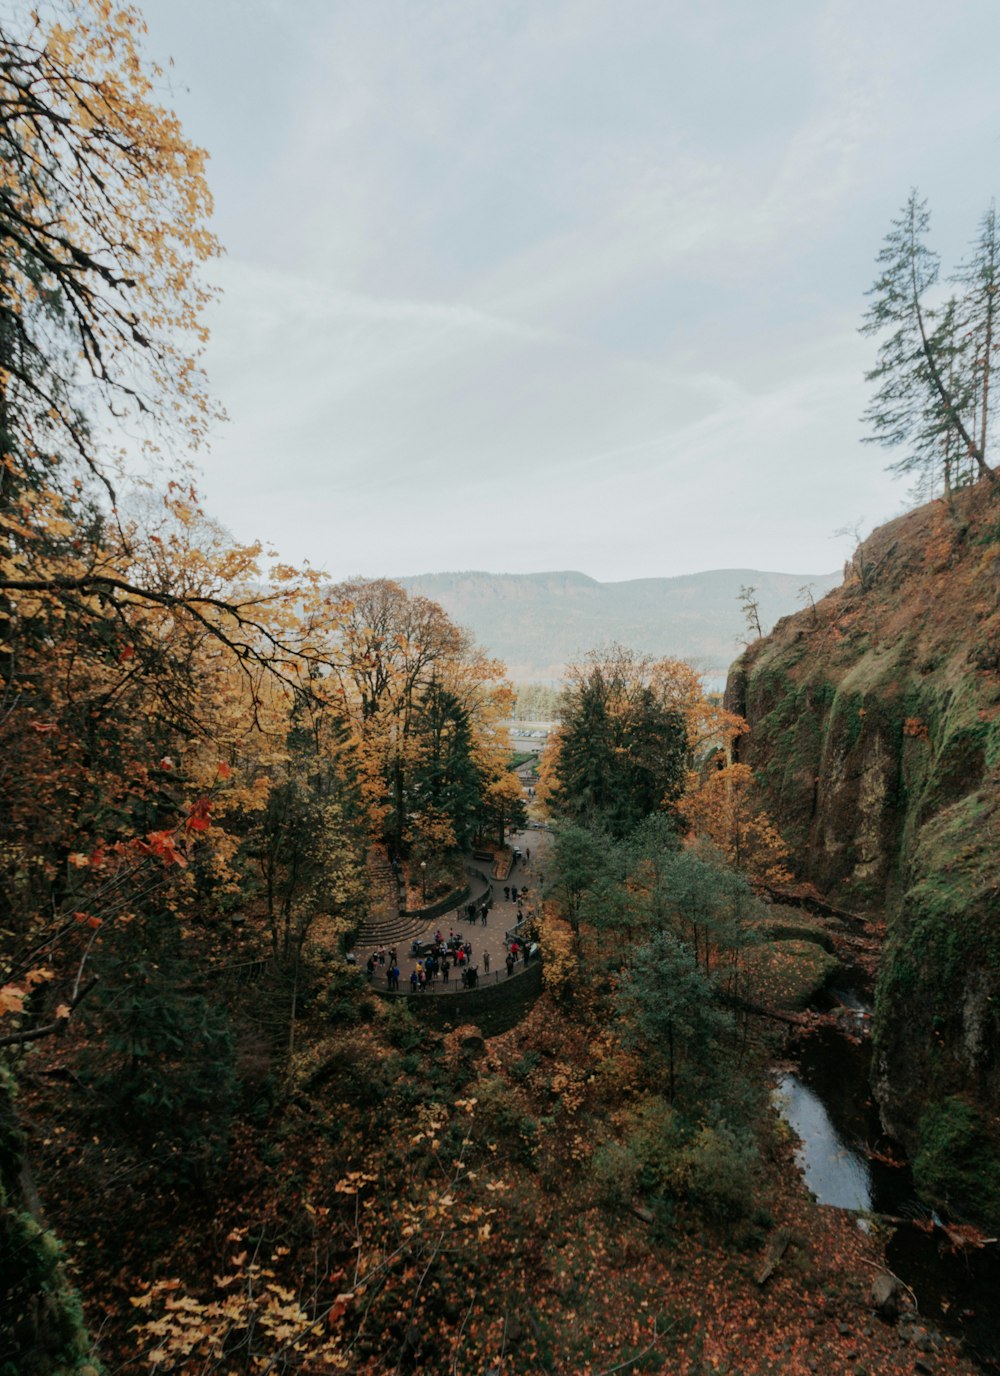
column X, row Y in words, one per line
column 980, row 278
column 933, row 366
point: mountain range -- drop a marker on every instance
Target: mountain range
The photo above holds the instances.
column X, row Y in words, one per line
column 537, row 623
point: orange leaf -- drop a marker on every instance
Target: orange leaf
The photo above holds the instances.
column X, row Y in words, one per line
column 164, row 845
column 11, row 998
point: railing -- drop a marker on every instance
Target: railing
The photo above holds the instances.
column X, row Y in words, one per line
column 437, row 987
column 457, row 899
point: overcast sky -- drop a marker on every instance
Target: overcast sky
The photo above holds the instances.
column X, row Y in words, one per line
column 542, row 285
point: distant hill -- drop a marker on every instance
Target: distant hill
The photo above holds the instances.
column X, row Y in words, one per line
column 540, row 622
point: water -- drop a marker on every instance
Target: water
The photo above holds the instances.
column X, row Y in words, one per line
column 827, row 1102
column 836, row 1175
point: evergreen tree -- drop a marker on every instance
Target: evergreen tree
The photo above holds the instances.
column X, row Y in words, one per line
column 933, row 368
column 980, row 279
column 446, row 779
column 622, row 747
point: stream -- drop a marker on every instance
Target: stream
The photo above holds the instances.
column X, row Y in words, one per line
column 827, row 1102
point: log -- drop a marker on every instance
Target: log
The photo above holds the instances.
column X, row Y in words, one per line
column 776, row 1249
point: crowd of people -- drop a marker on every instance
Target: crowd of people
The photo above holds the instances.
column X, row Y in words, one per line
column 444, row 962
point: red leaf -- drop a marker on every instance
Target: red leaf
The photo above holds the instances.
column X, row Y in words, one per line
column 164, row 845
column 198, row 818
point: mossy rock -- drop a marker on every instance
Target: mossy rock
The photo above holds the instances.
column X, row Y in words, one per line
column 958, row 1166
column 793, row 973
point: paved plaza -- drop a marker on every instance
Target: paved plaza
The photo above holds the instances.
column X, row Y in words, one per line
column 488, row 940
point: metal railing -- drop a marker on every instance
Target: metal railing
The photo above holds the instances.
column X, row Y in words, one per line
column 437, row 987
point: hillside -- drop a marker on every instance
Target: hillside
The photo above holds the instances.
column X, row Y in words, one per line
column 875, row 733
column 539, row 622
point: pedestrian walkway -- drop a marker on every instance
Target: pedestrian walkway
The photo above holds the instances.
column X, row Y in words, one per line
column 488, row 940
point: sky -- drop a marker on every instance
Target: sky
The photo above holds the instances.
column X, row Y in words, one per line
column 523, row 285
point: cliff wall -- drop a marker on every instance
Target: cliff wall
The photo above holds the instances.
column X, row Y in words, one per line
column 875, row 737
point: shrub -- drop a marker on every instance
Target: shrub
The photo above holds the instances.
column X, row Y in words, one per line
column 401, row 1027
column 720, row 1172
column 709, row 1166
column 615, row 1169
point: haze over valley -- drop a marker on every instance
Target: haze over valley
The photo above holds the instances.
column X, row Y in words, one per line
column 537, row 623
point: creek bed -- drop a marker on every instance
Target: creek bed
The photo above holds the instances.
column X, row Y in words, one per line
column 827, row 1102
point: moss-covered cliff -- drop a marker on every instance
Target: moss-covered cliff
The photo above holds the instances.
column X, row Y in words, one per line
column 875, row 735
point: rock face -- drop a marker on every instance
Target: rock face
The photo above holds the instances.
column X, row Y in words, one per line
column 875, row 737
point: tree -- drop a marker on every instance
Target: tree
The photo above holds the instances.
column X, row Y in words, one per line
column 621, row 750
column 724, row 812
column 934, row 363
column 668, row 1006
column 102, row 237
column 709, row 726
column 424, row 708
column 979, row 279
column 581, row 860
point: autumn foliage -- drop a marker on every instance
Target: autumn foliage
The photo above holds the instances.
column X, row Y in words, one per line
column 256, row 1166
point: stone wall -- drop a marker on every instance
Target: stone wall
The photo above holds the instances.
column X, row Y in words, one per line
column 494, row 1007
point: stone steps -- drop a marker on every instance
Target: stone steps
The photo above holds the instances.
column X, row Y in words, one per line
column 385, row 925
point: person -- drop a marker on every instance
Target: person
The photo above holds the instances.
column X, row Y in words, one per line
column 421, row 979
column 473, row 977
column 445, row 970
column 470, row 912
column 413, row 981
column 486, row 961
column 510, row 964
column 370, row 967
column 395, row 976
column 527, row 855
column 484, row 914
column 506, row 892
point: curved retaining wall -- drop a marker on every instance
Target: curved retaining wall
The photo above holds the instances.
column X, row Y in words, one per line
column 477, row 889
column 493, row 1007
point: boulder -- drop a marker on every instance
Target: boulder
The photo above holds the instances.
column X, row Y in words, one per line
column 886, row 1296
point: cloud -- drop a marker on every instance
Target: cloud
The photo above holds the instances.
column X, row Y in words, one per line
column 571, row 284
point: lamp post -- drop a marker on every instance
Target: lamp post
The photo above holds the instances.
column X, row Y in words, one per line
column 423, row 878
